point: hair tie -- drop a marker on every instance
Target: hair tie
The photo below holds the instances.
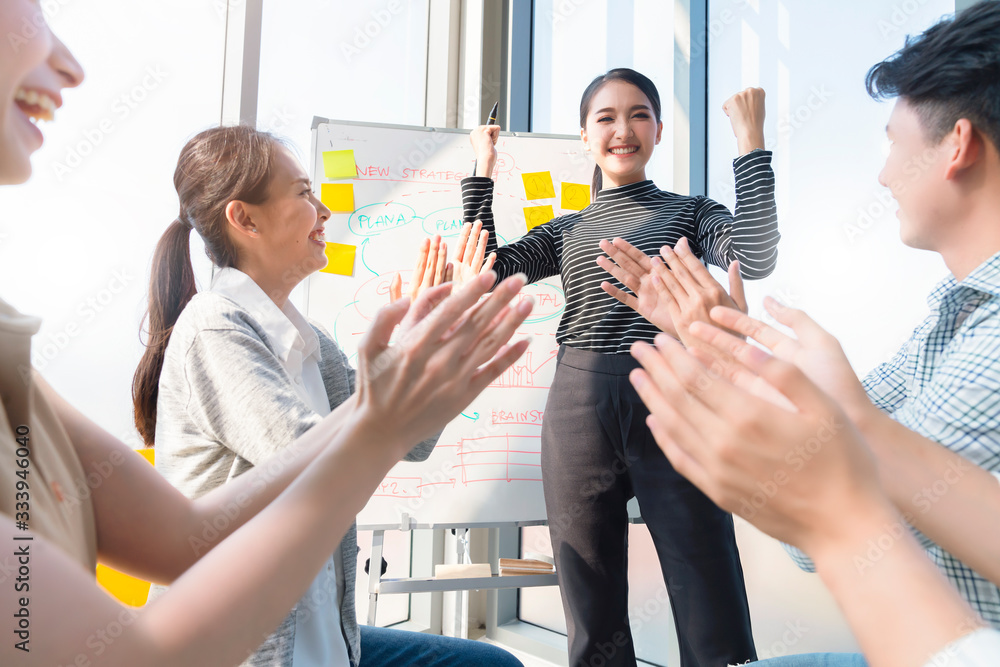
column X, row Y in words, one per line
column 183, row 219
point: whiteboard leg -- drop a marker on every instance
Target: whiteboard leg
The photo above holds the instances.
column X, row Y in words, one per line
column 462, row 597
column 374, row 573
column 491, row 595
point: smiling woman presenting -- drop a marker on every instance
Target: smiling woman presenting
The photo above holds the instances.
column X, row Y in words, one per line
column 596, row 449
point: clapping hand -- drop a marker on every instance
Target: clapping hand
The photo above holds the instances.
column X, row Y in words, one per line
column 813, row 349
column 430, row 269
column 469, row 254
column 411, row 389
column 671, row 298
column 799, row 473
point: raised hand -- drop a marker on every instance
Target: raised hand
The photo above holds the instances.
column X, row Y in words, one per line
column 814, row 350
column 430, row 269
column 798, row 474
column 469, row 254
column 484, row 140
column 746, row 113
column 417, row 385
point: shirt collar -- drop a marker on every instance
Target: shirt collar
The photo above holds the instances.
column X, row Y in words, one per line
column 984, row 279
column 626, row 191
column 285, row 327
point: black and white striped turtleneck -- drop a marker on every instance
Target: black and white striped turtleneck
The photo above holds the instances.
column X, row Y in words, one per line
column 648, row 218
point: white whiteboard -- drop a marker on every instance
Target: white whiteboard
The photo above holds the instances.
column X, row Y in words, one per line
column 486, row 468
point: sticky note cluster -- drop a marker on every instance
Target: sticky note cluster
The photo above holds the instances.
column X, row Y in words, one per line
column 538, row 185
column 339, row 198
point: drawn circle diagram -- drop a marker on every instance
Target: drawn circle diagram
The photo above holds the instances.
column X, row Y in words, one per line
column 446, row 221
column 505, row 162
column 375, row 219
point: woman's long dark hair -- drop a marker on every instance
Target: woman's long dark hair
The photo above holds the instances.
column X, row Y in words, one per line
column 216, row 167
column 627, row 75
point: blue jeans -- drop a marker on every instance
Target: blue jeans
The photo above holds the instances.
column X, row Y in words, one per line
column 383, row 647
column 816, row 660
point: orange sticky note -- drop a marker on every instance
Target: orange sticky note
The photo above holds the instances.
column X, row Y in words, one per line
column 341, row 259
column 575, row 196
column 537, row 215
column 339, row 164
column 338, row 197
column 538, row 185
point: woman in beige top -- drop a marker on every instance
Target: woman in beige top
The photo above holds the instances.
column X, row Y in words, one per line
column 71, row 494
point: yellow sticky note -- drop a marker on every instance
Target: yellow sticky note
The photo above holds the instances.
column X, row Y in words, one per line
column 338, row 197
column 575, row 196
column 126, row 588
column 538, row 185
column 537, row 215
column 341, row 258
column 339, row 164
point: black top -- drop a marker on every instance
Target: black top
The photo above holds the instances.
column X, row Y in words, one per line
column 648, row 218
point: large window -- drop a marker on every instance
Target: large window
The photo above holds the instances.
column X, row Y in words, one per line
column 363, row 61
column 102, row 190
column 839, row 231
column 575, row 41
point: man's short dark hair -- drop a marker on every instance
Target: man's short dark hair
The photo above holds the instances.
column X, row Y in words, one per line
column 950, row 72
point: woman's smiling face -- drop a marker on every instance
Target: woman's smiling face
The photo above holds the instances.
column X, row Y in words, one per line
column 621, row 131
column 35, row 68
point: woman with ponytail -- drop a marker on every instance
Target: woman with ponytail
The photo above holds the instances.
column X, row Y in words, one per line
column 232, row 375
column 597, row 451
column 239, row 557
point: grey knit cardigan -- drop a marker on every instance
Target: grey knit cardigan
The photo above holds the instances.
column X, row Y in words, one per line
column 226, row 404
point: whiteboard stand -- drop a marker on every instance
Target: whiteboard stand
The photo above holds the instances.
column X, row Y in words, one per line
column 462, row 608
column 379, row 586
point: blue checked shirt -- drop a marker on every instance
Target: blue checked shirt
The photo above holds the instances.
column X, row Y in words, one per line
column 944, row 384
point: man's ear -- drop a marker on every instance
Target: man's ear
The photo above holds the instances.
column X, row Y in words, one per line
column 964, row 148
column 238, row 217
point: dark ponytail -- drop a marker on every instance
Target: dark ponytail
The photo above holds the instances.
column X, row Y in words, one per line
column 627, row 75
column 216, row 167
column 596, row 182
column 171, row 286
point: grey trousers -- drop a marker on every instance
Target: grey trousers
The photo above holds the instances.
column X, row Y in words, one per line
column 597, row 452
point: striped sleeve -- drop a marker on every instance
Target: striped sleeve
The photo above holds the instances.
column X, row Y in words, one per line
column 751, row 236
column 536, row 254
